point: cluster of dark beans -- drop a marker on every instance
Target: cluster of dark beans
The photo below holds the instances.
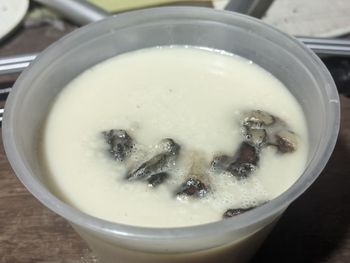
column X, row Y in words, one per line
column 245, row 161
column 263, row 129
column 259, row 129
column 156, row 169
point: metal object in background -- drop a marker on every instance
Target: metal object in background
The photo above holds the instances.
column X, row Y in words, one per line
column 1, row 113
column 78, row 11
column 328, row 46
column 256, row 8
column 321, row 46
column 15, row 64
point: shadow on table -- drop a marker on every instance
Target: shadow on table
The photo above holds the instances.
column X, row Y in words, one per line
column 317, row 223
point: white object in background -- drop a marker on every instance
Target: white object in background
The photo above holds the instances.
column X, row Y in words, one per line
column 220, row 4
column 318, row 18
column 11, row 14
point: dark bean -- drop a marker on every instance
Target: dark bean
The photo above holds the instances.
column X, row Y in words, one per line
column 192, row 187
column 156, row 164
column 120, row 143
column 241, row 170
column 235, row 212
column 247, row 154
column 157, row 179
column 159, row 163
column 245, row 161
column 287, row 141
column 241, row 165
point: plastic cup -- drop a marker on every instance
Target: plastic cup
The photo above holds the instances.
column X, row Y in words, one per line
column 231, row 240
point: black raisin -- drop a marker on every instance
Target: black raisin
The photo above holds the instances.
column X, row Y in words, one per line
column 193, row 187
column 235, row 212
column 120, row 143
column 157, row 179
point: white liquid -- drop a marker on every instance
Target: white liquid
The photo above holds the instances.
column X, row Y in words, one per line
column 192, row 95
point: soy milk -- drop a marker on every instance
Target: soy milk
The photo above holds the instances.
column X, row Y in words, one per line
column 192, row 95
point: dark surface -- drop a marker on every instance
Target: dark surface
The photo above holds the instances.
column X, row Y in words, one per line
column 316, row 228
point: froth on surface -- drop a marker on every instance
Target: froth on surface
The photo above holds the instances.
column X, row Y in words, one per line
column 192, row 95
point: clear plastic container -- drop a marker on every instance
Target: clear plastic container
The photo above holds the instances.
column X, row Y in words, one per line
column 231, row 240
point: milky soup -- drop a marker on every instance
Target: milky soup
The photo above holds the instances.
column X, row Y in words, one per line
column 173, row 136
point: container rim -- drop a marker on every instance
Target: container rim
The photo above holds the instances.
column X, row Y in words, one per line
column 316, row 165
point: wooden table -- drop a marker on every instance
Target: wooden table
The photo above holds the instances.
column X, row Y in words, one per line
column 316, row 228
